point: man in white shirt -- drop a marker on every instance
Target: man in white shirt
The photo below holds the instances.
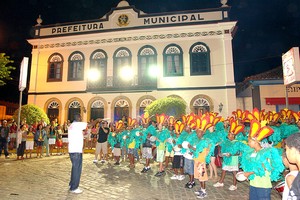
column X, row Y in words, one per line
column 75, row 137
column 75, row 134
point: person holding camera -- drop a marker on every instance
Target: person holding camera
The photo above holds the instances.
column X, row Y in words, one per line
column 102, row 142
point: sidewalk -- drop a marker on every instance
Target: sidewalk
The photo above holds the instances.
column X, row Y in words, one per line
column 48, row 178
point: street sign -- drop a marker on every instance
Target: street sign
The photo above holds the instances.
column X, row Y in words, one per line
column 23, row 73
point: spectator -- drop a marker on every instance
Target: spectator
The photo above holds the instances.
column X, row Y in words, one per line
column 13, row 134
column 29, row 141
column 4, row 131
column 102, row 142
column 39, row 139
column 22, row 134
column 52, row 138
column 293, row 155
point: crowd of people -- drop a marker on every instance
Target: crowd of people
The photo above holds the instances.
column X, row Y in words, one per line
column 254, row 145
column 39, row 136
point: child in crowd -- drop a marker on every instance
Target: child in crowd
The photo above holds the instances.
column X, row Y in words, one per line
column 147, row 149
column 191, row 138
column 162, row 136
column 290, row 177
column 293, row 155
column 260, row 165
column 59, row 143
column 178, row 160
column 200, row 171
column 230, row 150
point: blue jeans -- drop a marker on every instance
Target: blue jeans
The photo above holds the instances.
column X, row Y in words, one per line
column 76, row 159
column 256, row 193
column 3, row 145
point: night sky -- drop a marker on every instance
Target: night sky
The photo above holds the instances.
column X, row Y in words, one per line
column 266, row 28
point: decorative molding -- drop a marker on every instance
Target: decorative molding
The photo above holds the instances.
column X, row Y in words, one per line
column 134, row 38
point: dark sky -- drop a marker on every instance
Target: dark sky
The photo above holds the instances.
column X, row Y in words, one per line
column 266, row 28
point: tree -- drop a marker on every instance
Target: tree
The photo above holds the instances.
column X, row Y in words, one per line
column 5, row 68
column 31, row 113
column 170, row 106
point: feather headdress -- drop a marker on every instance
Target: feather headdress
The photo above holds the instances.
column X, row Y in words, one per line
column 178, row 127
column 119, row 124
column 259, row 131
column 145, row 118
column 235, row 127
column 131, row 121
column 160, row 119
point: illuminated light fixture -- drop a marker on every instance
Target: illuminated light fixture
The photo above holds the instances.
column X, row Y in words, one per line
column 126, row 73
column 93, row 75
column 153, row 71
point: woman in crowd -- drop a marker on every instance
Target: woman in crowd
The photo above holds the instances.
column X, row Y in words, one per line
column 39, row 139
column 29, row 141
column 22, row 134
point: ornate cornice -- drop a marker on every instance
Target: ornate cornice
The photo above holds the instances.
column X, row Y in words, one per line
column 127, row 39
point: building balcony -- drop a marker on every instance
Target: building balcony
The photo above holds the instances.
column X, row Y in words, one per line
column 111, row 85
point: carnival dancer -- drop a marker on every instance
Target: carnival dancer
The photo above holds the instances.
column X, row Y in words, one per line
column 214, row 133
column 146, row 142
column 169, row 153
column 191, row 140
column 287, row 127
column 178, row 160
column 162, row 136
column 132, row 142
column 230, row 151
column 260, row 165
column 202, row 151
column 114, row 139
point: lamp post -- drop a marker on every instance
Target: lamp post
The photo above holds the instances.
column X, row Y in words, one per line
column 22, row 86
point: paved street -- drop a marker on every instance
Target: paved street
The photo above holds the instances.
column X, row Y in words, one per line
column 48, row 178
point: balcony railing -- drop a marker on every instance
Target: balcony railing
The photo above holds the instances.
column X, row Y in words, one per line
column 109, row 84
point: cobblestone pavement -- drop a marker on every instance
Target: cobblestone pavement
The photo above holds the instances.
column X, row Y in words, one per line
column 48, row 178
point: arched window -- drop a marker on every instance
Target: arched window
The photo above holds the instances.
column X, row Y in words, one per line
column 76, row 66
column 173, row 61
column 201, row 105
column 53, row 110
column 55, row 67
column 147, row 59
column 74, row 108
column 97, row 109
column 200, row 60
column 98, row 62
column 122, row 66
column 121, row 109
column 144, row 104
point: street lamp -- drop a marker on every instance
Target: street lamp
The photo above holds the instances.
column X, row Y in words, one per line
column 153, row 71
column 93, row 75
column 126, row 73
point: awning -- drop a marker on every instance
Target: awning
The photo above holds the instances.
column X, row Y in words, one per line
column 281, row 101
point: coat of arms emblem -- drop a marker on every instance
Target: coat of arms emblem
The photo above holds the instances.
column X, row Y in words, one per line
column 123, row 20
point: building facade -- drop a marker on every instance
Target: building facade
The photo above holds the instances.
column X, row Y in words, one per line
column 117, row 65
column 267, row 91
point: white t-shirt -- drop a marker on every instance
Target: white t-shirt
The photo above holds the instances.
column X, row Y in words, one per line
column 75, row 136
column 286, row 190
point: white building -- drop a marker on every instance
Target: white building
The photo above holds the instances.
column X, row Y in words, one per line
column 140, row 57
